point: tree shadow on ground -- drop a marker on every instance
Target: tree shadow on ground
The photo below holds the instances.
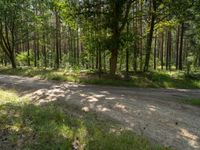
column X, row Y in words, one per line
column 49, row 126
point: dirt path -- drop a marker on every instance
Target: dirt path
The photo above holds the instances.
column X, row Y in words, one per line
column 154, row 113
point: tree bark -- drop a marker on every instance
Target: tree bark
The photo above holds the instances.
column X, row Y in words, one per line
column 149, row 43
column 13, row 59
column 162, row 51
column 168, row 52
column 181, row 48
column 177, row 47
column 113, row 61
column 150, row 36
column 35, row 51
column 155, row 54
column 57, row 59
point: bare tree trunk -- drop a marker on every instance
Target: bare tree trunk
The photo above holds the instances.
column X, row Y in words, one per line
column 127, row 53
column 167, row 51
column 113, row 61
column 181, row 48
column 177, row 47
column 57, row 61
column 149, row 43
column 169, row 48
column 44, row 51
column 35, row 51
column 150, row 36
column 141, row 40
column 155, row 54
column 28, row 49
column 13, row 59
column 162, row 50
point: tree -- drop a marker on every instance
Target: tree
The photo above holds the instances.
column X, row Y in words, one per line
column 9, row 20
column 116, row 16
column 154, row 12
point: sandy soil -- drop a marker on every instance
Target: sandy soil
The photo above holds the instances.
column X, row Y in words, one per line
column 154, row 113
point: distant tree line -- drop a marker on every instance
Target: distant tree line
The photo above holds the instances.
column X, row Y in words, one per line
column 104, row 35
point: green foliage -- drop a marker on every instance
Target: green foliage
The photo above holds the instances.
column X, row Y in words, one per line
column 190, row 61
column 74, row 33
column 23, row 58
column 162, row 25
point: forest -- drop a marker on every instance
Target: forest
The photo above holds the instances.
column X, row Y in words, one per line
column 103, row 35
column 100, row 74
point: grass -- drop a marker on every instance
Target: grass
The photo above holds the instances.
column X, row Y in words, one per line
column 195, row 102
column 24, row 125
column 158, row 79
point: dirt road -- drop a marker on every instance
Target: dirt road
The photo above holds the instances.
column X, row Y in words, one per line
column 154, row 113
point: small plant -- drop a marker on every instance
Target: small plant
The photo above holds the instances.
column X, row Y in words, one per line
column 24, row 58
column 189, row 63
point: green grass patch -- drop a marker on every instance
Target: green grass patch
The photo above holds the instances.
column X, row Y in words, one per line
column 156, row 79
column 24, row 125
column 195, row 102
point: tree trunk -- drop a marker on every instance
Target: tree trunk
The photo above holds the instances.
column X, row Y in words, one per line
column 13, row 59
column 177, row 47
column 127, row 53
column 57, row 61
column 78, row 47
column 127, row 61
column 149, row 43
column 168, row 53
column 181, row 48
column 35, row 51
column 155, row 54
column 28, row 49
column 141, row 40
column 113, row 61
column 114, row 50
column 100, row 63
column 170, row 49
column 44, row 51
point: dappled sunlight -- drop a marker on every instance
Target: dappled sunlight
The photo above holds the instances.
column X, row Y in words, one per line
column 36, row 126
column 47, row 95
column 152, row 108
column 102, row 109
column 104, row 92
column 189, row 137
column 86, row 109
column 183, row 90
column 92, row 99
column 121, row 107
column 144, row 118
column 49, row 126
column 110, row 98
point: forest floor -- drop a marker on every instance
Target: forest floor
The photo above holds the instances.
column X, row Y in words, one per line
column 157, row 114
column 153, row 79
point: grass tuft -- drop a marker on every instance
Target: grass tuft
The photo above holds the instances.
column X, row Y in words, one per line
column 195, row 102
